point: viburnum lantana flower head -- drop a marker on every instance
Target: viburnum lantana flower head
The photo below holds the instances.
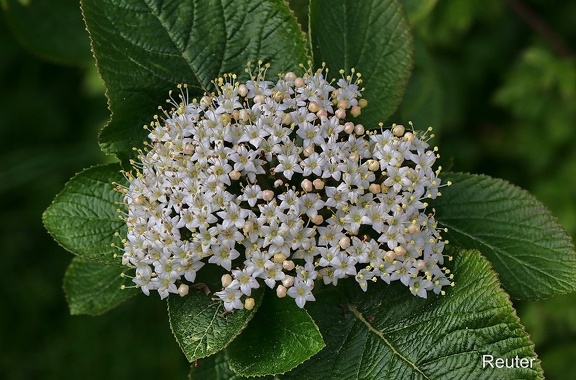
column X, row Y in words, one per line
column 276, row 184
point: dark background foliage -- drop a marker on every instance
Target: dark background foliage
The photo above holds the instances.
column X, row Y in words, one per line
column 496, row 79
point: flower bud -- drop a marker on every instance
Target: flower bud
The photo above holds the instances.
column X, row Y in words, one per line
column 318, row 184
column 322, row 113
column 183, row 290
column 267, row 195
column 288, row 265
column 242, row 90
column 398, row 130
column 288, row 281
column 299, row 82
column 340, row 113
column 362, row 103
column 313, row 107
column 348, row 127
column 308, row 150
column 344, row 242
column 359, row 129
column 409, row 136
column 260, row 99
column 374, row 188
column 249, row 303
column 281, row 291
column 355, row 111
column 290, row 76
column 343, row 104
column 279, row 258
column 234, row 175
column 318, row 219
column 278, row 183
column 226, row 280
column 306, row 185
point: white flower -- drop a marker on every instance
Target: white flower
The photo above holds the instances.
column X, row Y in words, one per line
column 276, row 184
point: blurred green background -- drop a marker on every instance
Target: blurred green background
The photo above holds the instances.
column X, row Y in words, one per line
column 495, row 78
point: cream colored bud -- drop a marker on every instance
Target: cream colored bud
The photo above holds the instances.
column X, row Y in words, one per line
column 248, row 227
column 267, row 195
column 362, row 103
column 188, row 148
column 373, row 165
column 399, row 251
column 183, row 290
column 281, row 291
column 318, row 184
column 139, row 200
column 374, row 188
column 226, row 280
column 412, row 229
column 409, row 136
column 420, row 264
column 279, row 258
column 322, row 113
column 306, row 185
column 389, row 256
column 234, row 175
column 344, row 242
column 349, row 127
column 299, row 82
column 313, row 107
column 398, row 130
column 356, row 111
column 288, row 281
column 340, row 113
column 249, row 303
column 287, row 119
column 278, row 183
column 308, row 150
column 236, row 114
column 318, row 219
column 290, row 76
column 260, row 99
column 343, row 104
column 244, row 115
column 288, row 265
column 242, row 90
column 359, row 129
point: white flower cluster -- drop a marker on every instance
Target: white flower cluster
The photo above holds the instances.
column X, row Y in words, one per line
column 273, row 183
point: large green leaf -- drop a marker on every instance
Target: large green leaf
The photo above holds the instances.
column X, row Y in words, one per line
column 200, row 323
column 372, row 37
column 531, row 252
column 83, row 218
column 216, row 367
column 145, row 47
column 386, row 333
column 289, row 338
column 51, row 29
column 93, row 288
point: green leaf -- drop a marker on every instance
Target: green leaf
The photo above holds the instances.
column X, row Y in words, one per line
column 52, row 29
column 372, row 37
column 530, row 251
column 83, row 218
column 289, row 338
column 200, row 323
column 417, row 10
column 386, row 333
column 93, row 288
column 145, row 48
column 216, row 367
